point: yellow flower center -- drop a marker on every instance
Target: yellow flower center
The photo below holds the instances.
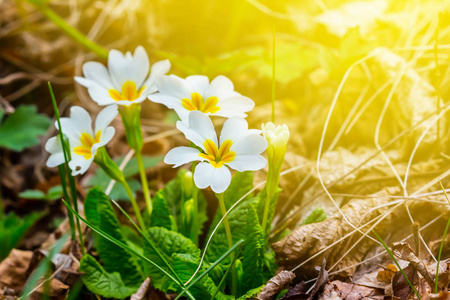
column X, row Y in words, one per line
column 87, row 141
column 129, row 92
column 196, row 103
column 218, row 156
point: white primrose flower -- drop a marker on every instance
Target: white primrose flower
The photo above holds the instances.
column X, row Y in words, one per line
column 125, row 80
column 196, row 93
column 83, row 141
column 238, row 148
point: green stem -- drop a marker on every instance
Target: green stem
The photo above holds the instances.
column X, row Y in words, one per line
column 70, row 31
column 223, row 210
column 62, row 175
column 134, row 204
column 396, row 262
column 273, row 74
column 144, row 181
column 74, row 198
column 271, row 185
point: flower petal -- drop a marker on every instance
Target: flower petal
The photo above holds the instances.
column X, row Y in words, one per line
column 197, row 84
column 98, row 73
column 159, row 69
column 105, row 117
column 249, row 144
column 128, row 67
column 174, row 86
column 220, row 86
column 182, row 155
column 165, row 99
column 243, row 163
column 79, row 164
column 200, row 128
column 53, row 146
column 107, row 136
column 206, row 175
column 233, row 128
column 100, row 95
column 235, row 106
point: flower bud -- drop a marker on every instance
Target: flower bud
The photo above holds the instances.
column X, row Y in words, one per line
column 277, row 137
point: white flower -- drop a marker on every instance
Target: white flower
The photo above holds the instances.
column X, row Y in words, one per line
column 125, row 81
column 217, row 98
column 238, row 148
column 84, row 142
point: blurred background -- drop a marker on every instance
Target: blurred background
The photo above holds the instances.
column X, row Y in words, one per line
column 363, row 85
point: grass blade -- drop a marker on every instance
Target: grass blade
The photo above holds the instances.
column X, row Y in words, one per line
column 436, row 281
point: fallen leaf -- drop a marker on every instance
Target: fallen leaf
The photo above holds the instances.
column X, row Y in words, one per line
column 140, row 293
column 387, row 273
column 400, row 287
column 276, row 284
column 298, row 292
column 349, row 291
column 13, row 270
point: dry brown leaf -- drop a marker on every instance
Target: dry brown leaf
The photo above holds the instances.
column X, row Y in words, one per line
column 276, row 284
column 387, row 273
column 443, row 295
column 400, row 287
column 13, row 270
column 307, row 240
column 342, row 290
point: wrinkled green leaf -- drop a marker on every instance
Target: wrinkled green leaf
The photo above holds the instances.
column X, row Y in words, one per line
column 114, row 258
column 100, row 282
column 168, row 243
column 251, row 293
column 22, row 128
column 160, row 215
column 253, row 261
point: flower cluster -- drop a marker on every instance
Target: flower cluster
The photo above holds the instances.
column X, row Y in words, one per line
column 129, row 80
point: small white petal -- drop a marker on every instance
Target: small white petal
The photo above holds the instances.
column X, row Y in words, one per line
column 219, row 86
column 106, row 136
column 159, row 69
column 173, row 86
column 53, row 146
column 233, row 128
column 182, row 155
column 206, row 175
column 79, row 164
column 235, row 106
column 202, row 124
column 83, row 81
column 118, row 68
column 167, row 100
column 243, row 163
column 139, row 67
column 198, row 84
column 98, row 73
column 190, row 134
column 81, row 119
column 105, row 117
column 100, row 95
column 249, row 144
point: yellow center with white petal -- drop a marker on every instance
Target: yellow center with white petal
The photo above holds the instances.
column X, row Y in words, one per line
column 129, row 92
column 87, row 141
column 217, row 157
column 196, row 103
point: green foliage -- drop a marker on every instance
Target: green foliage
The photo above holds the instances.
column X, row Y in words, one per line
column 253, row 261
column 273, row 203
column 251, row 293
column 114, row 258
column 176, row 198
column 100, row 282
column 161, row 216
column 317, row 215
column 12, row 229
column 22, row 128
column 185, row 266
column 118, row 192
column 168, row 244
column 53, row 194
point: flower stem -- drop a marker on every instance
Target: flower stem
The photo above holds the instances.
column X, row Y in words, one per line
column 271, row 185
column 71, row 31
column 229, row 240
column 144, row 180
column 134, row 204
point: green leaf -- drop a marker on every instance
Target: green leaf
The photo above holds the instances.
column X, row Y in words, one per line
column 241, row 183
column 253, row 261
column 32, row 194
column 90, row 205
column 185, row 266
column 317, row 215
column 55, row 192
column 22, row 128
column 168, row 243
column 252, row 293
column 118, row 192
column 2, row 114
column 114, row 258
column 100, row 282
column 160, row 215
column 13, row 229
